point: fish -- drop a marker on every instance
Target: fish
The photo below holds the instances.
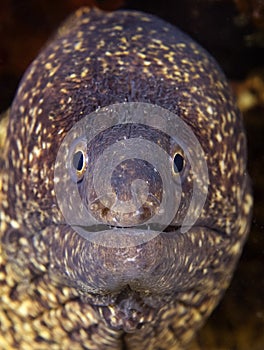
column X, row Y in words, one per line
column 125, row 200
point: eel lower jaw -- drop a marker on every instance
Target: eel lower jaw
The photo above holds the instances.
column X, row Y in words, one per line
column 128, row 285
column 128, row 311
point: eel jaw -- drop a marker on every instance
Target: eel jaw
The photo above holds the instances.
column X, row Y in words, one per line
column 129, row 286
column 128, row 311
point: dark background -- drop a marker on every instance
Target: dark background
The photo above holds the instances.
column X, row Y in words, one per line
column 231, row 30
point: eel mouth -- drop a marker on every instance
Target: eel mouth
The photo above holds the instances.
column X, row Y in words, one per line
column 123, row 236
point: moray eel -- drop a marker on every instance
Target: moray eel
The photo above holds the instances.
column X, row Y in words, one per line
column 60, row 290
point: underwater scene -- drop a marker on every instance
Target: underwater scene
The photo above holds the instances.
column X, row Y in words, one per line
column 131, row 174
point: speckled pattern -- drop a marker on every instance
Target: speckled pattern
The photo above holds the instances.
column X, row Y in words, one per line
column 55, row 286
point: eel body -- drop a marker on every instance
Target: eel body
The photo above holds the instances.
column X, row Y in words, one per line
column 59, row 288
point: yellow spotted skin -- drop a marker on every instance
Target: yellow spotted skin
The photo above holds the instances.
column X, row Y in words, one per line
column 56, row 288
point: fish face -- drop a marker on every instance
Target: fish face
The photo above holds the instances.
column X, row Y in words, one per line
column 126, row 161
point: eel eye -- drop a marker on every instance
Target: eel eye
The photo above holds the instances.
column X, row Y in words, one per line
column 79, row 162
column 178, row 163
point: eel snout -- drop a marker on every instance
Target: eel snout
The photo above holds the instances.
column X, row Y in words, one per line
column 133, row 196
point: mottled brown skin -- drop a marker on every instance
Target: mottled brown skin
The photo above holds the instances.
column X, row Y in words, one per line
column 60, row 291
